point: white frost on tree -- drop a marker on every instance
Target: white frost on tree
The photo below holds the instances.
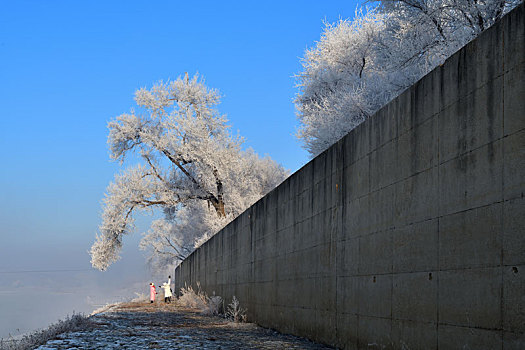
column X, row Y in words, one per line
column 193, row 169
column 359, row 65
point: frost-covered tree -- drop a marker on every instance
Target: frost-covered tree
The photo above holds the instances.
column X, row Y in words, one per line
column 359, row 65
column 341, row 80
column 193, row 169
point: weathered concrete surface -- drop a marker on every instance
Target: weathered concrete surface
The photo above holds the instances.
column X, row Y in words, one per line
column 410, row 231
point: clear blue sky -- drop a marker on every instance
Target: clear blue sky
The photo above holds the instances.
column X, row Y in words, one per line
column 68, row 67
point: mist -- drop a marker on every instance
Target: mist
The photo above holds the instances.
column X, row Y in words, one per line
column 44, row 279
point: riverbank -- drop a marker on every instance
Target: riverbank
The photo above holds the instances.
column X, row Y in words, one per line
column 141, row 325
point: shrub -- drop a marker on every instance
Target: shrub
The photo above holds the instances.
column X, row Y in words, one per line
column 195, row 300
column 215, row 305
column 235, row 312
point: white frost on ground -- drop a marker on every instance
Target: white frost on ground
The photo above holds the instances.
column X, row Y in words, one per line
column 160, row 326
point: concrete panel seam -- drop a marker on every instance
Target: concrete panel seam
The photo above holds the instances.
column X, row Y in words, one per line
column 472, row 150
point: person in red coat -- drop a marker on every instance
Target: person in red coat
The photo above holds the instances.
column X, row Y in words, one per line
column 152, row 292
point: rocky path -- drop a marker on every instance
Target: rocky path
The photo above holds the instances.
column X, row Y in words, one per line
column 143, row 326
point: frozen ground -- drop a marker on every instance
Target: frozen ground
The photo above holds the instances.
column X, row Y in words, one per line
column 143, row 326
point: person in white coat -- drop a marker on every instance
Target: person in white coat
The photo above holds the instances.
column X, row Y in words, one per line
column 167, row 290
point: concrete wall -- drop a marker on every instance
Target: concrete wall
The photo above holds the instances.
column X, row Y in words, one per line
column 407, row 233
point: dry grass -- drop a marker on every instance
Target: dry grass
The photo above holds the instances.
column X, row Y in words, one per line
column 145, row 306
column 30, row 341
column 200, row 301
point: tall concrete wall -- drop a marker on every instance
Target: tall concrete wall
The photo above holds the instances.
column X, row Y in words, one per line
column 407, row 233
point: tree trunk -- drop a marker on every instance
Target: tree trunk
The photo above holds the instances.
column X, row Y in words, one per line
column 219, row 206
column 219, row 202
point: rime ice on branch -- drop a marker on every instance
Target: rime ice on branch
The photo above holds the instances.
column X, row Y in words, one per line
column 193, row 169
column 358, row 66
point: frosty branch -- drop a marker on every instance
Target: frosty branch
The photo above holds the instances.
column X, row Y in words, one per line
column 193, row 169
column 358, row 65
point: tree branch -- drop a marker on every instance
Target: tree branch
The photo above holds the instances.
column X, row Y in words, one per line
column 216, row 201
column 174, row 248
column 154, row 169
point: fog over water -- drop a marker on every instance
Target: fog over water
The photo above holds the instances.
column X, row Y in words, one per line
column 34, row 300
column 24, row 311
column 42, row 284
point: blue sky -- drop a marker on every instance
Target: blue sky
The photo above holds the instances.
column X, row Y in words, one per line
column 69, row 67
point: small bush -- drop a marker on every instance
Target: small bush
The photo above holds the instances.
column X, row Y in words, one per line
column 215, row 305
column 235, row 312
column 195, row 300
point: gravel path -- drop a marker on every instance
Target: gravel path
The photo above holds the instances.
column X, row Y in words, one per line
column 143, row 326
